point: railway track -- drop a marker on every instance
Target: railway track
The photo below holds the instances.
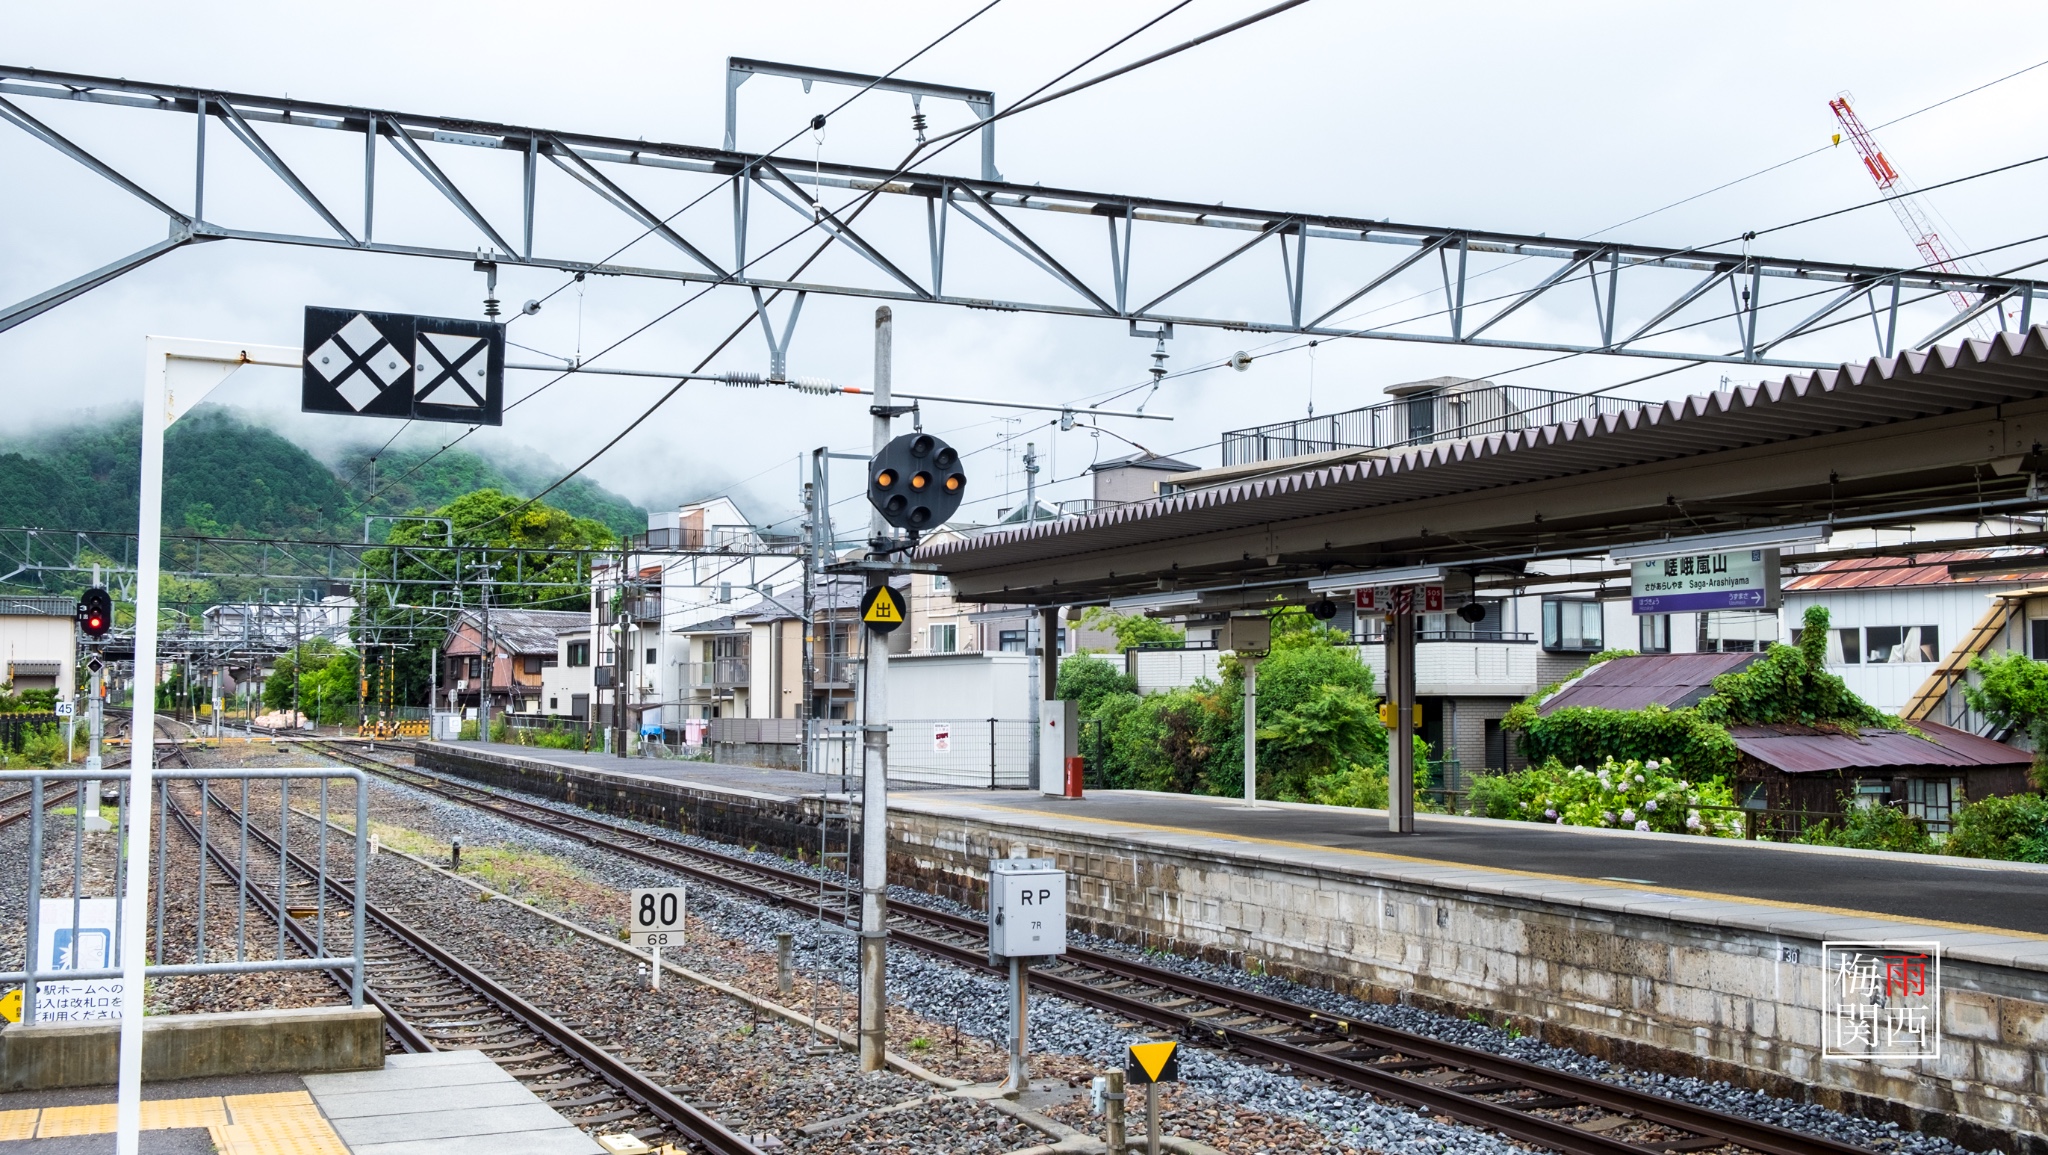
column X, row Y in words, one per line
column 15, row 807
column 1534, row 1104
column 433, row 1000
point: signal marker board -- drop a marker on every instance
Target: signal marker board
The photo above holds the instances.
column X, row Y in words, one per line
column 1153, row 1063
column 882, row 609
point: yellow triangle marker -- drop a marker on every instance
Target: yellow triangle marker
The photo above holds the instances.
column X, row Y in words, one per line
column 884, row 609
column 1153, row 1058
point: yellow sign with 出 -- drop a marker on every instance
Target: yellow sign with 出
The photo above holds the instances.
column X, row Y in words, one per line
column 882, row 609
column 10, row 1005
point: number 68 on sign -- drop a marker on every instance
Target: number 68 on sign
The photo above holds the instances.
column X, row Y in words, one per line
column 654, row 916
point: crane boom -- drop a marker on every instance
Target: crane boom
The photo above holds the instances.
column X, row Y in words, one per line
column 1898, row 194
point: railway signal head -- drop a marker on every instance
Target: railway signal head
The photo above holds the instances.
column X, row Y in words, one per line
column 95, row 612
column 916, row 482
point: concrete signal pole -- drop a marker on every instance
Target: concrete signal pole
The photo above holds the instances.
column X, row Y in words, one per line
column 874, row 813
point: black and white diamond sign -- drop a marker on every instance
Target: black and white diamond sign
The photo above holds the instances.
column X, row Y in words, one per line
column 401, row 365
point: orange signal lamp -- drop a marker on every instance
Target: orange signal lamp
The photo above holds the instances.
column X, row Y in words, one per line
column 954, row 483
column 919, row 481
column 886, row 478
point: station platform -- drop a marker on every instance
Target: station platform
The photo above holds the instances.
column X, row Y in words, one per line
column 417, row 1104
column 1956, row 893
column 723, row 776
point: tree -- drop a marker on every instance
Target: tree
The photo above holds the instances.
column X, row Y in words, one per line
column 1086, row 680
column 485, row 527
column 2013, row 691
column 1133, row 630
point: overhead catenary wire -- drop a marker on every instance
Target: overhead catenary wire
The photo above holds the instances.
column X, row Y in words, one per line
column 867, row 198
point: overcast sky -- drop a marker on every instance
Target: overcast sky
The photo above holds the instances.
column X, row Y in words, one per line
column 1560, row 118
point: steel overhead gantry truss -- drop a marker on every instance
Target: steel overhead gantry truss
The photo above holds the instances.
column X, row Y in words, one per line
column 53, row 558
column 1614, row 298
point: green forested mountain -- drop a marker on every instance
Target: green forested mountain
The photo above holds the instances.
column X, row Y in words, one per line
column 225, row 477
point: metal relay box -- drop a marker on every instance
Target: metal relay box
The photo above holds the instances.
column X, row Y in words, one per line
column 1027, row 908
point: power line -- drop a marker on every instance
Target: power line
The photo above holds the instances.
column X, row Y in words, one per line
column 867, row 198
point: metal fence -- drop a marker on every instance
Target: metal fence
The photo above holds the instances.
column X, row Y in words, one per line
column 1448, row 415
column 989, row 752
column 71, row 959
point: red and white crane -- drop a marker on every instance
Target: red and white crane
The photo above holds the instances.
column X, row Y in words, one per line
column 1899, row 194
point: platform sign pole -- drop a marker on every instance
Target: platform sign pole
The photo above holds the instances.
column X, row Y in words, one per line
column 1251, row 730
column 874, row 797
column 1401, row 696
column 204, row 364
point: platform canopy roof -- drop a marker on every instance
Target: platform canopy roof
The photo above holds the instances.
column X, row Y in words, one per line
column 1944, row 433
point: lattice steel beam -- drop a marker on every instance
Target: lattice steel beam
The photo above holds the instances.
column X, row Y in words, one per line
column 1657, row 295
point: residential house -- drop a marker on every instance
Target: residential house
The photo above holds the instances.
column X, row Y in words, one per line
column 504, row 653
column 566, row 686
column 1807, row 770
column 39, row 643
column 705, row 560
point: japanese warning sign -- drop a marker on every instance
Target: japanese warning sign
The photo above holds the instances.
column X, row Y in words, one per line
column 882, row 609
column 88, row 946
column 1153, row 1063
column 401, row 365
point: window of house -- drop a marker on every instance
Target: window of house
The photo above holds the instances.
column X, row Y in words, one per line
column 945, row 639
column 579, row 653
column 1571, row 625
column 553, row 701
column 1933, row 801
column 1010, row 641
column 941, row 584
column 1737, row 631
column 653, row 658
column 1653, row 633
column 531, row 663
column 1496, row 745
column 1901, row 644
column 2038, row 628
column 476, row 666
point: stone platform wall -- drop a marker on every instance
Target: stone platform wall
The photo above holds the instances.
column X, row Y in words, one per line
column 1652, row 990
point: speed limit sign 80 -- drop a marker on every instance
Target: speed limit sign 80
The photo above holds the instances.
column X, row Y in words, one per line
column 654, row 916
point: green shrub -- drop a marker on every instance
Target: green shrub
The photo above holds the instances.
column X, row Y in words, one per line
column 1086, row 679
column 1355, row 785
column 1787, row 684
column 2013, row 828
column 2013, row 691
column 468, row 732
column 1870, row 828
column 1628, row 794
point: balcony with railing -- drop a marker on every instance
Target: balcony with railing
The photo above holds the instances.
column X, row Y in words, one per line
column 718, row 675
column 1452, row 414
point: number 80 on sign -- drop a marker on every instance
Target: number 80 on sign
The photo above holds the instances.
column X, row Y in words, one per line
column 654, row 916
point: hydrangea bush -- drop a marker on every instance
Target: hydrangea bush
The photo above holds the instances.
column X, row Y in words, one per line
column 1626, row 795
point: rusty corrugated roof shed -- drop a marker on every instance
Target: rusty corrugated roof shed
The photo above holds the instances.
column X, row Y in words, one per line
column 1926, row 569
column 1796, row 749
column 1651, row 679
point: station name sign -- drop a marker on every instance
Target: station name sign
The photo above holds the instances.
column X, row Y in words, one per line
column 1743, row 579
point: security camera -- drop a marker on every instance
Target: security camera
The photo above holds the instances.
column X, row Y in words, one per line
column 1322, row 610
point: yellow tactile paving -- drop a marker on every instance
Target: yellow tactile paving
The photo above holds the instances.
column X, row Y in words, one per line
column 88, row 1119
column 165, row 1114
column 241, row 1103
column 18, row 1124
column 281, row 1123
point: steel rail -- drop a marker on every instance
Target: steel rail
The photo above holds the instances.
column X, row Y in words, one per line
column 693, row 1123
column 1297, row 1049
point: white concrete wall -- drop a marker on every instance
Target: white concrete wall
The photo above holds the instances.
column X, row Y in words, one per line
column 1952, row 609
column 1161, row 670
column 26, row 638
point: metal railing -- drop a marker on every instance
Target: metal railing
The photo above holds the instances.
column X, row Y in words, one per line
column 1447, row 415
column 59, row 984
column 719, row 673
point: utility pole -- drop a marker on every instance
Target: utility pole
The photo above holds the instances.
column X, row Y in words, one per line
column 1033, row 639
column 621, row 597
column 874, row 817
column 490, row 663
